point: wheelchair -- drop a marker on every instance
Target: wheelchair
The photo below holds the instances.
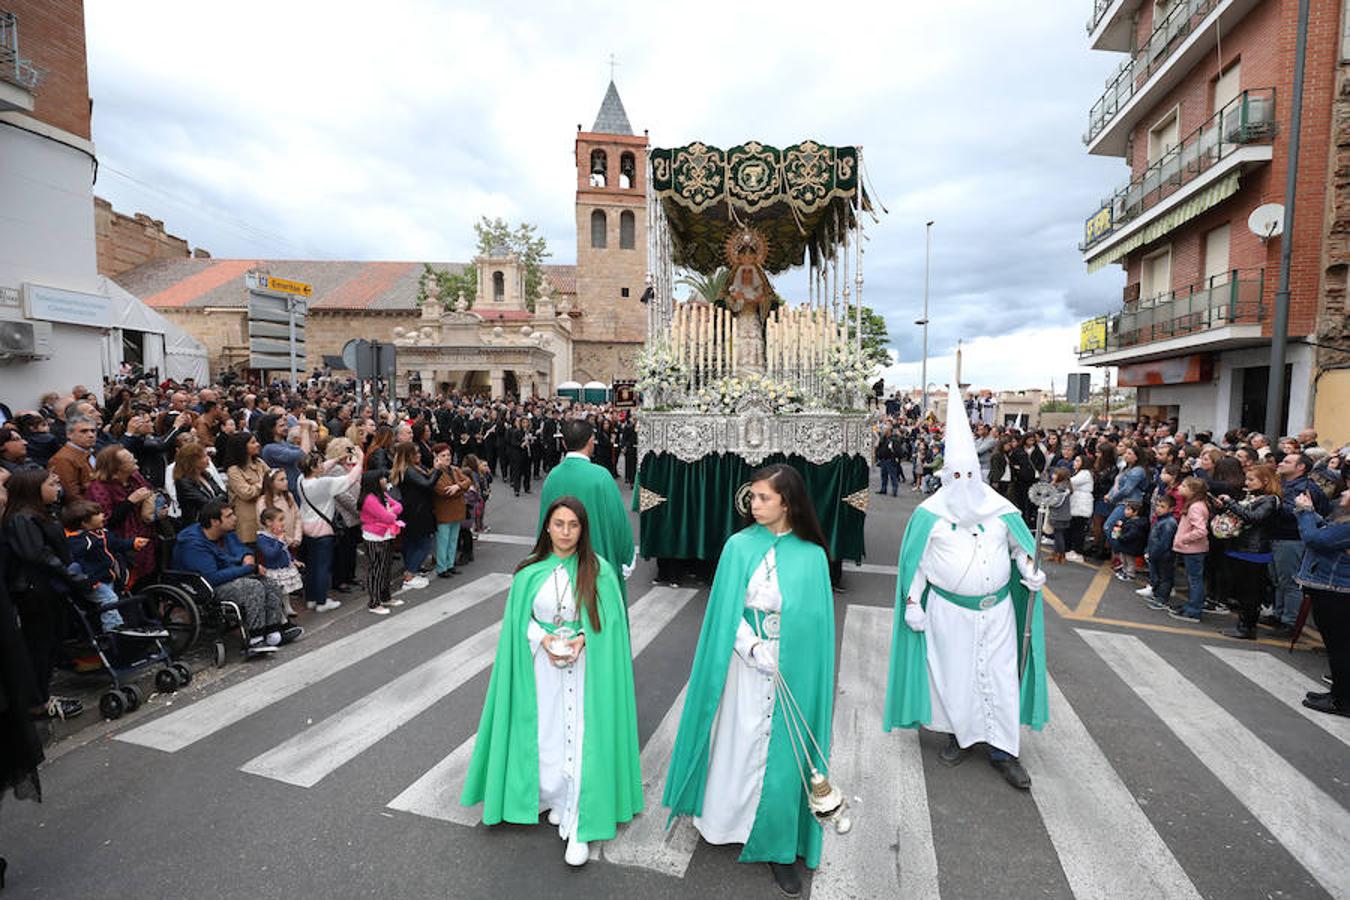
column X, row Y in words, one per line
column 189, row 608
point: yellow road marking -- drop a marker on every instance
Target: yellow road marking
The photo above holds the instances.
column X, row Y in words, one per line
column 1087, row 607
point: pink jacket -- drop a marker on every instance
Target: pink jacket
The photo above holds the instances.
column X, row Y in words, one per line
column 1193, row 530
column 379, row 518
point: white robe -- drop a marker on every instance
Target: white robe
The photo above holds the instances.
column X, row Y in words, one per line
column 739, row 752
column 972, row 654
column 561, row 698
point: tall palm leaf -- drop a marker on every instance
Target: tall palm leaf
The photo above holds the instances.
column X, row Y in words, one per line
column 708, row 288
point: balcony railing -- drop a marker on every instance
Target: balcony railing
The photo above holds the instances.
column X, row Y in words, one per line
column 1233, row 298
column 1248, row 119
column 13, row 67
column 1166, row 37
column 1099, row 8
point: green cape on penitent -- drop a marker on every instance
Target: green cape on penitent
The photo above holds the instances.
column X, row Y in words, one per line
column 504, row 771
column 908, row 701
column 784, row 826
column 611, row 532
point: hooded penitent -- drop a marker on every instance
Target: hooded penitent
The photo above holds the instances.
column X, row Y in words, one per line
column 964, row 498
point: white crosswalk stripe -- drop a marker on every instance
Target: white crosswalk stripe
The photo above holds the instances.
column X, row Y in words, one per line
column 889, row 852
column 436, row 794
column 1286, row 683
column 1309, row 823
column 184, row 727
column 1107, row 847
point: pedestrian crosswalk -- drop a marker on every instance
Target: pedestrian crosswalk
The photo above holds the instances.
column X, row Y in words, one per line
column 1107, row 842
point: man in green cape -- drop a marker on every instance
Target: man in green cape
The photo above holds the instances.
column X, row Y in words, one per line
column 504, row 770
column 576, row 476
column 960, row 615
column 784, row 827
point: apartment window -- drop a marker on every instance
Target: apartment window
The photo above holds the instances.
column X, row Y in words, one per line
column 1227, row 86
column 1163, row 136
column 1216, row 255
column 1156, row 275
column 627, row 230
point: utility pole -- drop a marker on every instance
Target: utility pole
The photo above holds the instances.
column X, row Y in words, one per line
column 1279, row 331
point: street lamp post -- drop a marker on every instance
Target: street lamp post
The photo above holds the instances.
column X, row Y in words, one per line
column 927, row 248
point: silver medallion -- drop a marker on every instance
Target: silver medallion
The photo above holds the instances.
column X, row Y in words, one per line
column 988, row 601
column 771, row 626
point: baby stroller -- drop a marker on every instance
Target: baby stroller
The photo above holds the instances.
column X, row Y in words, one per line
column 123, row 655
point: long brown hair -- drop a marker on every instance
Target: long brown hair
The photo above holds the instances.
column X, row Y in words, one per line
column 269, row 494
column 788, row 483
column 406, row 457
column 189, row 464
column 381, row 439
column 588, row 567
column 1270, row 481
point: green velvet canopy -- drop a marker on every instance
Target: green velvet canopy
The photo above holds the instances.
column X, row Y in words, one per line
column 694, row 512
column 802, row 198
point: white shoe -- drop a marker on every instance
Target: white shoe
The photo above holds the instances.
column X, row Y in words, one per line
column 577, row 852
column 1145, row 591
column 417, row 582
column 394, row 601
column 378, row 610
column 1071, row 556
column 554, row 817
column 273, row 639
column 328, row 605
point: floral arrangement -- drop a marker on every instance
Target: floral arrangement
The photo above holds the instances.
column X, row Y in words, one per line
column 726, row 395
column 660, row 371
column 846, row 374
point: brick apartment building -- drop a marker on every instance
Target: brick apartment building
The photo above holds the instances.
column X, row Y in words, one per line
column 1200, row 112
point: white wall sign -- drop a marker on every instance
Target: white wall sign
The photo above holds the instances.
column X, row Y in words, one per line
column 73, row 307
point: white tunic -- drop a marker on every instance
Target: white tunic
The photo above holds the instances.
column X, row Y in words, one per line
column 741, row 729
column 972, row 654
column 560, row 694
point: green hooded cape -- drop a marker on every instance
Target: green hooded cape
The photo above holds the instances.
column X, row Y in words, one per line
column 504, row 771
column 611, row 531
column 784, row 826
column 908, row 702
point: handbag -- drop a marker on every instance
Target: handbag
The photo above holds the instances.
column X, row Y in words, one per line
column 1225, row 525
column 339, row 528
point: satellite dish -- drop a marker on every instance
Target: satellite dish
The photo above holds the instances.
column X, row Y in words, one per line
column 1267, row 221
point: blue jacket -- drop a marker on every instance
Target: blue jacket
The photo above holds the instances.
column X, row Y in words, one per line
column 96, row 553
column 1129, row 485
column 1326, row 553
column 272, row 553
column 1160, row 537
column 1133, row 535
column 216, row 561
column 1285, row 527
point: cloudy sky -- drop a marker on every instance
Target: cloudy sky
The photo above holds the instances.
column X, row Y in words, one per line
column 383, row 131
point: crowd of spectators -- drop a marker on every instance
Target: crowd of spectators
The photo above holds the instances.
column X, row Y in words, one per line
column 1240, row 524
column 265, row 492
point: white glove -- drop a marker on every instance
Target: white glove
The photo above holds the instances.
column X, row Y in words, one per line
column 915, row 617
column 764, row 655
column 1034, row 580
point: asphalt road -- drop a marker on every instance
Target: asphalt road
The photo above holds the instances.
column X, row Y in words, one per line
column 1177, row 765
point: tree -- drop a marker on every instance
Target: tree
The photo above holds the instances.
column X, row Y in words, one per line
column 875, row 337
column 707, row 288
column 523, row 242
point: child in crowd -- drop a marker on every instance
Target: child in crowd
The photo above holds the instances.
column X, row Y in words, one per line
column 482, row 488
column 1061, row 516
column 380, row 524
column 1169, row 482
column 1162, row 564
column 276, row 493
column 1129, row 538
column 275, row 561
column 1192, row 545
column 96, row 553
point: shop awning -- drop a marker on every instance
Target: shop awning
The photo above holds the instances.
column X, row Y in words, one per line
column 1211, row 196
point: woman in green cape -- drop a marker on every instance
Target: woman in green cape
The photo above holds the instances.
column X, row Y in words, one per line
column 559, row 725
column 735, row 767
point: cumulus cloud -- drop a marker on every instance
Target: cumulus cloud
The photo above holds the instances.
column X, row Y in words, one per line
column 346, row 130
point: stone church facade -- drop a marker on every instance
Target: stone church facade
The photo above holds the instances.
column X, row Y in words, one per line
column 588, row 324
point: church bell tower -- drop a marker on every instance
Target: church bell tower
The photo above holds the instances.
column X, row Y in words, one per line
column 611, row 209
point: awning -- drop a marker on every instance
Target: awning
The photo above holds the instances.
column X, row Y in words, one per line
column 1211, row 196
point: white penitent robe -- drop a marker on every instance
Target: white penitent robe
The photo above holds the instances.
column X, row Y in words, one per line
column 972, row 654
column 560, row 694
column 740, row 737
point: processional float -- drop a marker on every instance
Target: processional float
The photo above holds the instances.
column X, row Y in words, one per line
column 737, row 377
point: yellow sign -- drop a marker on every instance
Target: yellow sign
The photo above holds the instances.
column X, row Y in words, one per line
column 1092, row 335
column 1098, row 226
column 285, row 286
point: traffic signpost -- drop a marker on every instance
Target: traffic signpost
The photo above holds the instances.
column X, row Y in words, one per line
column 276, row 322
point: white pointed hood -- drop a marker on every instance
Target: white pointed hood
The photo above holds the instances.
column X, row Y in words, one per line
column 964, row 498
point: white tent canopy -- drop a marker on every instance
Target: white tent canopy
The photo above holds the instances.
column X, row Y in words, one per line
column 570, row 386
column 168, row 348
column 596, row 386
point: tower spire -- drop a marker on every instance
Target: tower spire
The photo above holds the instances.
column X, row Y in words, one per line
column 612, row 119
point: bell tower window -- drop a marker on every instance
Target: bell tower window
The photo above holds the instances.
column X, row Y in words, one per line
column 627, row 230
column 599, row 168
column 627, row 171
column 498, row 287
column 599, row 229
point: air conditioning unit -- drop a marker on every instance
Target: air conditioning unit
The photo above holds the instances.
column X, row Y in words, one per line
column 24, row 339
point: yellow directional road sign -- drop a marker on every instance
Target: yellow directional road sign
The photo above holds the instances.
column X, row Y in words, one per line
column 285, row 286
